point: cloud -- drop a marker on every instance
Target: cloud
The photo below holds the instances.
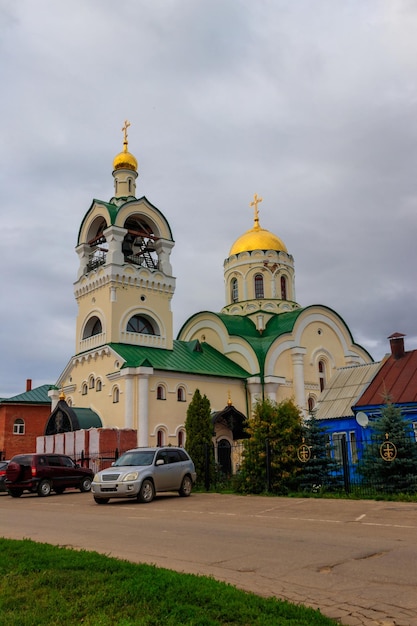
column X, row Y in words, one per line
column 310, row 105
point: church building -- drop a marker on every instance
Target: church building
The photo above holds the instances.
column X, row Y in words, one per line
column 130, row 370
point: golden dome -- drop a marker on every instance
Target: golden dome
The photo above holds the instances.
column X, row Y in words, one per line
column 125, row 160
column 257, row 238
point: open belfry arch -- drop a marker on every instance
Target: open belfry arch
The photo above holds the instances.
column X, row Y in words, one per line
column 130, row 370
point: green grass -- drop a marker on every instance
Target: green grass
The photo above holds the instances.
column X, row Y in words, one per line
column 44, row 584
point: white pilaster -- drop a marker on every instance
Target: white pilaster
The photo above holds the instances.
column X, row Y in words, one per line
column 297, row 355
column 272, row 384
column 143, row 404
column 114, row 236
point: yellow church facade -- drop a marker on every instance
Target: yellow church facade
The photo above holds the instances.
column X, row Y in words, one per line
column 130, row 370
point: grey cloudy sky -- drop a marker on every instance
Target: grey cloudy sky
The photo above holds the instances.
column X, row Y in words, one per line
column 312, row 105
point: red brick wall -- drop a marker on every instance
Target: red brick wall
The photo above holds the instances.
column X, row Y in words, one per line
column 35, row 418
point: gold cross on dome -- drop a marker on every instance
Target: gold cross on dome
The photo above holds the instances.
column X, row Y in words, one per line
column 255, row 203
column 124, row 131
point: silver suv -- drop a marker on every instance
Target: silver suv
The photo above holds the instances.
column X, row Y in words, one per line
column 141, row 472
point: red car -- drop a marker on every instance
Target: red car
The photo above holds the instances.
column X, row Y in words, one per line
column 42, row 473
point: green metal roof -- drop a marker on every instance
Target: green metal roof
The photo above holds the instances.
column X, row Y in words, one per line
column 279, row 324
column 39, row 395
column 187, row 356
column 87, row 418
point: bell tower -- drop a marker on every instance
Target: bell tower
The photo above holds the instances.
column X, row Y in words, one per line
column 125, row 284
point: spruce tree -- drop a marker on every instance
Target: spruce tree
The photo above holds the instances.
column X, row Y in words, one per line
column 321, row 472
column 398, row 475
column 270, row 454
column 199, row 432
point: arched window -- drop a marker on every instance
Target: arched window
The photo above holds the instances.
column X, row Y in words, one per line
column 283, row 288
column 84, row 389
column 140, row 324
column 19, row 426
column 160, row 392
column 311, row 404
column 181, row 394
column 93, row 327
column 68, row 401
column 259, row 286
column 160, row 437
column 322, row 375
column 234, row 290
column 181, row 438
column 115, row 395
column 98, row 384
column 91, row 382
column 130, row 184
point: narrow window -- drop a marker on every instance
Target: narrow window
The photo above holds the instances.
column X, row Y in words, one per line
column 181, row 394
column 160, row 392
column 98, row 385
column 181, row 438
column 337, row 446
column 322, row 375
column 115, row 395
column 311, row 404
column 130, row 184
column 259, row 286
column 19, row 427
column 84, row 390
column 160, row 438
column 283, row 288
column 235, row 291
column 91, row 382
column 353, row 447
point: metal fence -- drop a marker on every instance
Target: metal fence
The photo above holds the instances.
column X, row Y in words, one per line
column 391, row 467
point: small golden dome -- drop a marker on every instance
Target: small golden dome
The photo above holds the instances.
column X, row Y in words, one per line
column 257, row 238
column 125, row 160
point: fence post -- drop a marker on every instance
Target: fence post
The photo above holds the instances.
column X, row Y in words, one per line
column 345, row 461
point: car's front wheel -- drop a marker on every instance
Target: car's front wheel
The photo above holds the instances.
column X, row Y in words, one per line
column 85, row 484
column 101, row 500
column 186, row 487
column 44, row 488
column 146, row 492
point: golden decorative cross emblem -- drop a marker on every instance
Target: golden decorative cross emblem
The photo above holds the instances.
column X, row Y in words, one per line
column 124, row 131
column 255, row 203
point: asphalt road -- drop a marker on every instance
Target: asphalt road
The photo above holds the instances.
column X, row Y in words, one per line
column 355, row 561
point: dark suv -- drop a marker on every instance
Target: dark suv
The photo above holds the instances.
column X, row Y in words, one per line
column 42, row 473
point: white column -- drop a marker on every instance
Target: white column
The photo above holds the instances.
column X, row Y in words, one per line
column 163, row 249
column 255, row 391
column 272, row 384
column 128, row 374
column 114, row 236
column 297, row 355
column 143, row 404
column 83, row 251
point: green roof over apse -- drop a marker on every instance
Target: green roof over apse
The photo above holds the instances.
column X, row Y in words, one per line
column 279, row 324
column 39, row 395
column 191, row 357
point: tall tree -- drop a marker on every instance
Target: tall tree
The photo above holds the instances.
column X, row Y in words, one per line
column 390, row 469
column 199, row 432
column 270, row 454
column 320, row 471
